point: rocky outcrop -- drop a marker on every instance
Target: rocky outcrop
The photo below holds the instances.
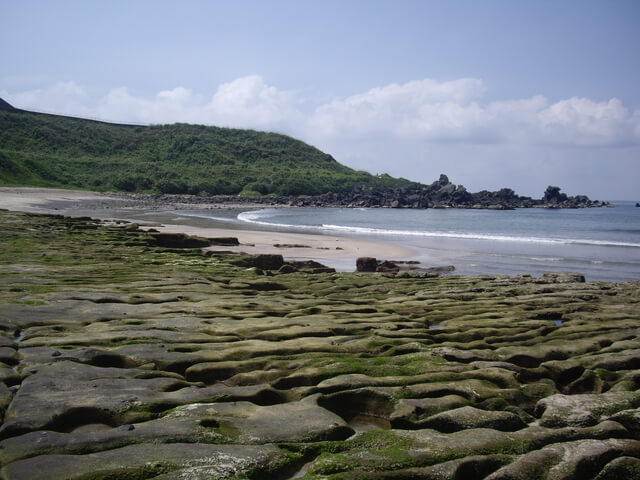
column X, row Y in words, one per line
column 224, row 241
column 439, row 194
column 177, row 240
column 366, row 264
column 261, row 261
column 370, row 264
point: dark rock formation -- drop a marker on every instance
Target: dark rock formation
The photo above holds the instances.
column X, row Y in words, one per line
column 177, row 240
column 263, row 261
column 306, row 266
column 387, row 266
column 440, row 194
column 370, row 264
column 552, row 195
column 366, row 264
column 225, row 241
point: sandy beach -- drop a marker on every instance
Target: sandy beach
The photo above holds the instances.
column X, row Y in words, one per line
column 339, row 251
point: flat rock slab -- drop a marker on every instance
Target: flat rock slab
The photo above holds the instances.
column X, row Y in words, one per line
column 66, row 395
column 178, row 460
column 120, row 358
column 245, row 422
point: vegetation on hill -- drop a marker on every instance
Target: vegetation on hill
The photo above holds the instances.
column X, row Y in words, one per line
column 56, row 151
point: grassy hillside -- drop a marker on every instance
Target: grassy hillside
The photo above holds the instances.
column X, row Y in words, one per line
column 56, row 151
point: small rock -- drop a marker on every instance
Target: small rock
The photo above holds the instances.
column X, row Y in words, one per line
column 226, row 241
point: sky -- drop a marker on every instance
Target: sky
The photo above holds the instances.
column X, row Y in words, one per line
column 493, row 93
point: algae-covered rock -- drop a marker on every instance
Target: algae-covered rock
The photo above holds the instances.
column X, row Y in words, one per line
column 470, row 417
column 583, row 410
column 408, row 413
column 190, row 460
column 622, row 467
column 570, row 460
column 245, row 422
column 120, row 358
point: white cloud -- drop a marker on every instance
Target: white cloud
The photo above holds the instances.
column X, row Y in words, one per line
column 245, row 102
column 452, row 111
column 62, row 97
column 402, row 110
column 587, row 122
column 250, row 102
column 421, row 110
column 168, row 106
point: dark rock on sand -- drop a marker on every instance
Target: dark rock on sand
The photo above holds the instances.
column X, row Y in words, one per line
column 370, row 264
column 262, row 261
column 177, row 240
column 224, row 241
column 366, row 264
column 306, row 266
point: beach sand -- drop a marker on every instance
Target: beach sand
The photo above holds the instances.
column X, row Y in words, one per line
column 336, row 251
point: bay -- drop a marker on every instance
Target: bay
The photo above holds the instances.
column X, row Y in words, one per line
column 601, row 243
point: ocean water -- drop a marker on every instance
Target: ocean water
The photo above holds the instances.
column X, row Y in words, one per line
column 601, row 243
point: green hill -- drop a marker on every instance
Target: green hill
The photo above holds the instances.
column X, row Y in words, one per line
column 56, row 151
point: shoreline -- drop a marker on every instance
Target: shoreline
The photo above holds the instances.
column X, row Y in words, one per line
column 337, row 252
column 335, row 249
column 137, row 357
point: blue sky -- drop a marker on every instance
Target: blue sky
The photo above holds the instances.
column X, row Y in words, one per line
column 494, row 93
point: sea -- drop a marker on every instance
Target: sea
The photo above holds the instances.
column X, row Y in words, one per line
column 601, row 243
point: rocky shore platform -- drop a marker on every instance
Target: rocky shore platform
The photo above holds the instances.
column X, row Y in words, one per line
column 125, row 355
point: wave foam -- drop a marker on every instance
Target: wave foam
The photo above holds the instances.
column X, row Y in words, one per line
column 256, row 217
column 480, row 236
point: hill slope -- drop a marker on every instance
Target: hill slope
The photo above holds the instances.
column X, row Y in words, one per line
column 51, row 150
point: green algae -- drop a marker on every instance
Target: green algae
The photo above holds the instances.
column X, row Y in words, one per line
column 74, row 290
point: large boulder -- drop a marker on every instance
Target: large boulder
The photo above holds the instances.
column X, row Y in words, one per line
column 366, row 264
column 263, row 261
column 370, row 264
column 306, row 266
column 177, row 240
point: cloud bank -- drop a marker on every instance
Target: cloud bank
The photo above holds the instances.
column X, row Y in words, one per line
column 415, row 129
column 421, row 109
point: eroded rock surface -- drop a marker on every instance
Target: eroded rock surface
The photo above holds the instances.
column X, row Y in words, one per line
column 124, row 358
